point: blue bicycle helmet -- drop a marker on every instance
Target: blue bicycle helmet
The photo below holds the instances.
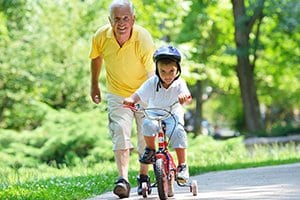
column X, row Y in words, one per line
column 167, row 52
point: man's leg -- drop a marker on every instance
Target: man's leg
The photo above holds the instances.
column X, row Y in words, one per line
column 120, row 123
column 122, row 161
column 122, row 187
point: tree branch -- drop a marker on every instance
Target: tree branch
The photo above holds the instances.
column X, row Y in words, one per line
column 257, row 14
column 256, row 41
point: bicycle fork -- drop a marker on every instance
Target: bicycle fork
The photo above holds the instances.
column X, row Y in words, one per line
column 163, row 152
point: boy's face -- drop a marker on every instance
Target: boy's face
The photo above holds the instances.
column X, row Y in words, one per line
column 167, row 72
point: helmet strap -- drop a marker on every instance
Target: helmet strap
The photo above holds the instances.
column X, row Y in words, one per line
column 158, row 84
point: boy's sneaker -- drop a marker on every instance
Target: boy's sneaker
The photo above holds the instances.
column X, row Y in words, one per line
column 148, row 156
column 140, row 179
column 183, row 174
column 122, row 188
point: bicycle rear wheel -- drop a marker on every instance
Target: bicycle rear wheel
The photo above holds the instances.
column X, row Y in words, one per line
column 161, row 179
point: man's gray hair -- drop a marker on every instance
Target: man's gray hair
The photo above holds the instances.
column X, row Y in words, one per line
column 120, row 3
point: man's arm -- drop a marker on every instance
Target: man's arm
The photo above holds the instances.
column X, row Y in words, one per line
column 96, row 65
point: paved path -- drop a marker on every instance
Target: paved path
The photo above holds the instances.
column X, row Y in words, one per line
column 280, row 182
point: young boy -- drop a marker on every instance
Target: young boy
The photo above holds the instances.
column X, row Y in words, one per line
column 161, row 91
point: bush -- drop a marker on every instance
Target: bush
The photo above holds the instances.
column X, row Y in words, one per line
column 28, row 115
column 67, row 148
column 63, row 138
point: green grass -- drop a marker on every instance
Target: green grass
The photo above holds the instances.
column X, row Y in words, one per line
column 84, row 181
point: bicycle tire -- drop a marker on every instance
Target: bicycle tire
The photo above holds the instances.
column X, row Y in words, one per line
column 161, row 179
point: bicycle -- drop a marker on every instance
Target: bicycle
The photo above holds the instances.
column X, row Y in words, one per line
column 165, row 169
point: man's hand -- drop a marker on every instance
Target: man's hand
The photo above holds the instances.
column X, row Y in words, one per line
column 95, row 94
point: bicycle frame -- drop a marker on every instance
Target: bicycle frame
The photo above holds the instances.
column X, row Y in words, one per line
column 164, row 166
column 162, row 152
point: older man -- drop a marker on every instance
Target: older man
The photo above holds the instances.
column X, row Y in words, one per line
column 127, row 51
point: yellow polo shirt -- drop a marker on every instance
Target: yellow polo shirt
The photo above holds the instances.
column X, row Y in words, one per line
column 126, row 67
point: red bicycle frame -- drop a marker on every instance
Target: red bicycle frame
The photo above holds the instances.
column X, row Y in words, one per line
column 163, row 152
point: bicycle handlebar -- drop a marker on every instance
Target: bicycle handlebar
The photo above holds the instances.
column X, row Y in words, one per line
column 138, row 107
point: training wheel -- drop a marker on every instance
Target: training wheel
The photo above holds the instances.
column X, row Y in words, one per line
column 144, row 189
column 194, row 188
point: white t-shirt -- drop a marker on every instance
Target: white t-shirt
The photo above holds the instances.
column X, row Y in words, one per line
column 160, row 97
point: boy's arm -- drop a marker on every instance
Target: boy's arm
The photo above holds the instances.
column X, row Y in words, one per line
column 184, row 96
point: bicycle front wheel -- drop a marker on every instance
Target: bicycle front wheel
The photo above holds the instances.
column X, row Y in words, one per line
column 161, row 179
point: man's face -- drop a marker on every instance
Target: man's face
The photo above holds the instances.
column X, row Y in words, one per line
column 122, row 21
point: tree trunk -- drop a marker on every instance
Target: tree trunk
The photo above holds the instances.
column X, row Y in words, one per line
column 245, row 71
column 249, row 96
column 198, row 111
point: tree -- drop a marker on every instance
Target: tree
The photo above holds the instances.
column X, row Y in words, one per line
column 203, row 42
column 278, row 74
column 243, row 24
column 163, row 18
column 43, row 58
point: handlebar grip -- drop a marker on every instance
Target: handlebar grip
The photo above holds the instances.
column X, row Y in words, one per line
column 132, row 107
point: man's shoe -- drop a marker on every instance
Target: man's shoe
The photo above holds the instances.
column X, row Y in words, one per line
column 141, row 179
column 122, row 188
column 182, row 174
column 148, row 156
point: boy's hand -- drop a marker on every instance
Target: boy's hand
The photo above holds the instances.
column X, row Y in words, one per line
column 128, row 101
column 184, row 98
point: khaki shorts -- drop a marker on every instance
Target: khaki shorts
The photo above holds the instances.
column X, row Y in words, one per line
column 120, row 121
